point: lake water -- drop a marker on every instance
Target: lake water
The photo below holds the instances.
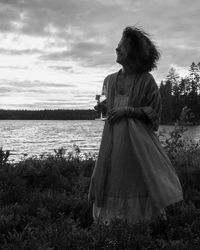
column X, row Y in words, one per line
column 27, row 137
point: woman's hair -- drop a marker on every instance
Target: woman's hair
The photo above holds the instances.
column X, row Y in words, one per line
column 144, row 53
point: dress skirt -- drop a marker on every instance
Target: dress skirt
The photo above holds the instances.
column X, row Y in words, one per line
column 126, row 194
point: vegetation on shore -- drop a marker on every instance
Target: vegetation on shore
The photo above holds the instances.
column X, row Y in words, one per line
column 43, row 204
column 177, row 92
column 57, row 114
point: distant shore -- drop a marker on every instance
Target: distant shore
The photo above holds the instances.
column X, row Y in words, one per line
column 62, row 114
column 58, row 114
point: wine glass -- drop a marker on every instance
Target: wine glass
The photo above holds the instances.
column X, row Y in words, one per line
column 100, row 99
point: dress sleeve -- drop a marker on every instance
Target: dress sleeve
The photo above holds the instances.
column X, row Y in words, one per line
column 153, row 107
column 105, row 87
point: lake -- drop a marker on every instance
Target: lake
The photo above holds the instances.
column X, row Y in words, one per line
column 27, row 137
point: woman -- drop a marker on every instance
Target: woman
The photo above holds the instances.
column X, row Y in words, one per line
column 133, row 178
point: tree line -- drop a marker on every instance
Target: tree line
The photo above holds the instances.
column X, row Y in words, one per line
column 59, row 114
column 177, row 93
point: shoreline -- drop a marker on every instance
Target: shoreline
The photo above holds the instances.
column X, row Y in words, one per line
column 96, row 119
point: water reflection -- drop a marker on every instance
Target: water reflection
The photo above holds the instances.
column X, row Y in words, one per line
column 38, row 137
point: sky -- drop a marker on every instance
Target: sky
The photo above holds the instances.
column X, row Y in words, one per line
column 55, row 54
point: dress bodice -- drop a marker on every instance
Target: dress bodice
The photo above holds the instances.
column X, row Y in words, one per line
column 121, row 92
column 121, row 100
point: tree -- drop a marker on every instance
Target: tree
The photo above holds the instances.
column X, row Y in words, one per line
column 173, row 78
column 166, row 97
column 183, row 87
column 194, row 77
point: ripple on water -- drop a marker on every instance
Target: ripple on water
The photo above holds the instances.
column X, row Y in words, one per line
column 37, row 137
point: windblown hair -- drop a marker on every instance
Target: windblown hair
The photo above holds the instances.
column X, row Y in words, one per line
column 144, row 54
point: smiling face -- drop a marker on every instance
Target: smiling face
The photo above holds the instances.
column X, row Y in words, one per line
column 122, row 51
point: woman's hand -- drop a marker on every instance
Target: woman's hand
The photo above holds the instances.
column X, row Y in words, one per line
column 101, row 107
column 116, row 113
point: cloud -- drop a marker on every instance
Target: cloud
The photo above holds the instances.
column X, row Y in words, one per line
column 8, row 16
column 36, row 84
column 87, row 53
column 19, row 52
column 12, row 67
column 38, row 94
column 62, row 68
column 35, row 89
column 63, row 39
column 91, row 29
column 4, row 90
column 67, row 20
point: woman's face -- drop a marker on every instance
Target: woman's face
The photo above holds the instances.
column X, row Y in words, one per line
column 122, row 51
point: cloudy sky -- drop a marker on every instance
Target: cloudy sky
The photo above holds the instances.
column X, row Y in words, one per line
column 56, row 53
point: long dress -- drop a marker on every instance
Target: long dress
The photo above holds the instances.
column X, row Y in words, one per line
column 133, row 175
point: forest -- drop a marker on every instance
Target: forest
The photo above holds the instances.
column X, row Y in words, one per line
column 58, row 114
column 176, row 93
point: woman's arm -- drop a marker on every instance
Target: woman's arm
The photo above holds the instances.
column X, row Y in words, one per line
column 137, row 113
column 151, row 111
